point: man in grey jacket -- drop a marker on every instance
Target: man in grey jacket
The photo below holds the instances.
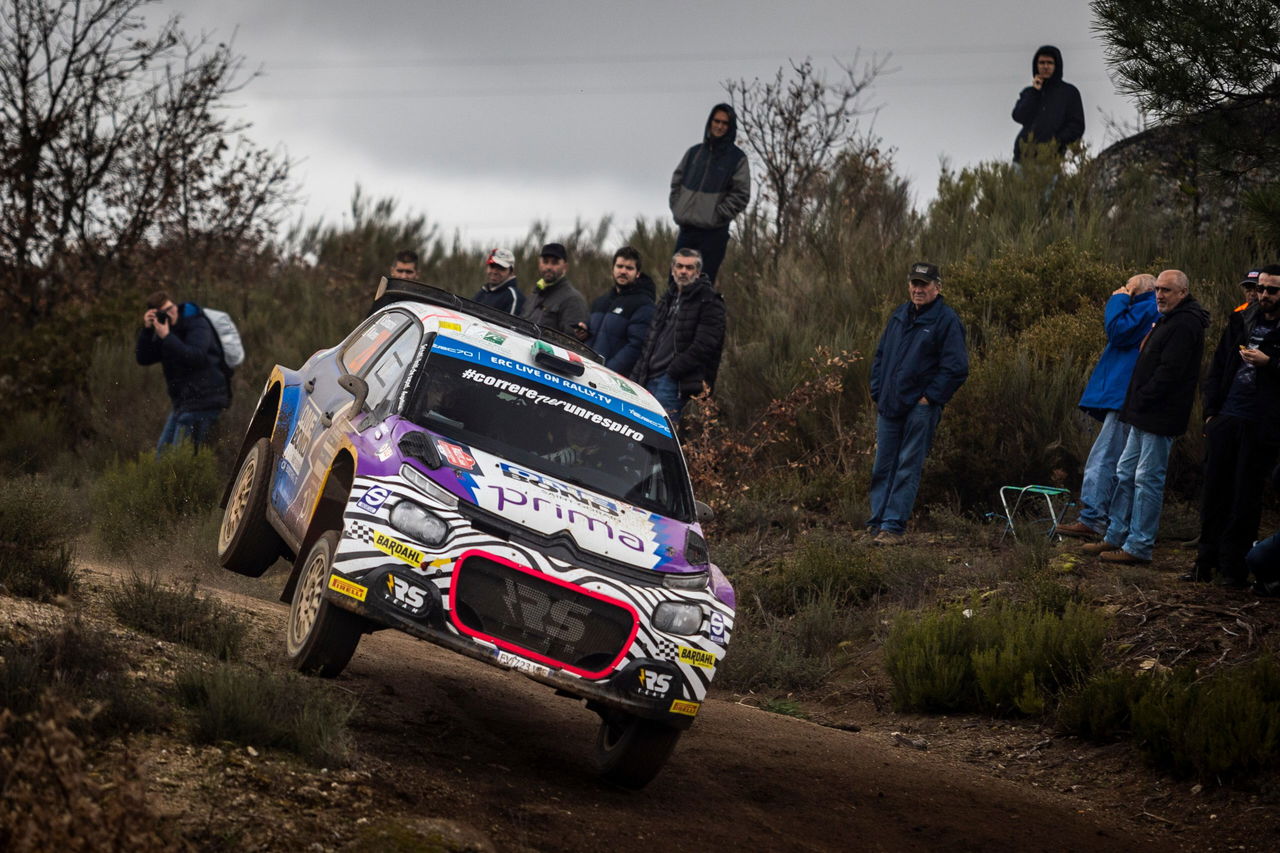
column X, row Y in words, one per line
column 556, row 303
column 710, row 187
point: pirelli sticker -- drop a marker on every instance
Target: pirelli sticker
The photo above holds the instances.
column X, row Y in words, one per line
column 346, row 587
column 689, row 709
column 396, row 548
column 697, row 657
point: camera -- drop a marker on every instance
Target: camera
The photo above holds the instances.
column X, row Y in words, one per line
column 162, row 316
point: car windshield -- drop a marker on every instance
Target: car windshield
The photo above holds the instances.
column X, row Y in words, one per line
column 526, row 421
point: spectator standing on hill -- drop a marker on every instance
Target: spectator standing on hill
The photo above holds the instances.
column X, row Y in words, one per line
column 1129, row 315
column 404, row 265
column 621, row 316
column 185, row 344
column 711, row 186
column 1250, row 286
column 681, row 355
column 500, row 289
column 1242, row 435
column 1157, row 407
column 1050, row 109
column 920, row 363
column 556, row 303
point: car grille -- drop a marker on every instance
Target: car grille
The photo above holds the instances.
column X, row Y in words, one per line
column 555, row 622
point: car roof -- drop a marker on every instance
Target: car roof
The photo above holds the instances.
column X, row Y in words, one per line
column 514, row 338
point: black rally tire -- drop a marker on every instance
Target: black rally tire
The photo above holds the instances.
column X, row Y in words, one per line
column 630, row 751
column 247, row 543
column 320, row 637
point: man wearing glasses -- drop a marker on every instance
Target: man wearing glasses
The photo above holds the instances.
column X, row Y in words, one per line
column 1157, row 407
column 1242, row 408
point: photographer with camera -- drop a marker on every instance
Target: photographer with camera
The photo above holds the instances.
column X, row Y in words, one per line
column 185, row 344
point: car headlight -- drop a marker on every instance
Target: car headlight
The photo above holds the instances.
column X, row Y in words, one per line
column 429, row 487
column 677, row 617
column 419, row 523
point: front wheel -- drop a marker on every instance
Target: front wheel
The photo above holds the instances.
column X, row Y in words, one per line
column 321, row 637
column 630, row 751
column 247, row 543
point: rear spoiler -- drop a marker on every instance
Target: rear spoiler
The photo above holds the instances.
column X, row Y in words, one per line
column 403, row 290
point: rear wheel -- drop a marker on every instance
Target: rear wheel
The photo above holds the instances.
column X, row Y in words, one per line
column 247, row 543
column 321, row 637
column 630, row 751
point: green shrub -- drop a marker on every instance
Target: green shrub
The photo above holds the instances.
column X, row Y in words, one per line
column 1215, row 728
column 140, row 498
column 35, row 551
column 827, row 569
column 1102, row 708
column 1003, row 658
column 84, row 667
column 764, row 655
column 269, row 709
column 178, row 614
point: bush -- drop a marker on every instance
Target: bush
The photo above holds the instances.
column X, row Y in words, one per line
column 826, row 569
column 1214, row 728
column 1004, row 658
column 268, row 708
column 35, row 554
column 55, row 799
column 178, row 614
column 82, row 667
column 142, row 497
column 1102, row 709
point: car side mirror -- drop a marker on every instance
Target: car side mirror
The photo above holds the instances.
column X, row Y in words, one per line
column 356, row 387
column 703, row 512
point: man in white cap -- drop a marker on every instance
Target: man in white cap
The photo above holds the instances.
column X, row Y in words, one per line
column 500, row 289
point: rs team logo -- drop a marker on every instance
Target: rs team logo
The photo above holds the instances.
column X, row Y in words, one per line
column 405, row 594
column 656, row 684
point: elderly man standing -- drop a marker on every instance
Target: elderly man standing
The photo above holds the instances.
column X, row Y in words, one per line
column 1242, row 435
column 1130, row 312
column 920, row 363
column 1157, row 408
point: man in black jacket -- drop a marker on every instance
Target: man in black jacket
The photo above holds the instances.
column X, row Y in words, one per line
column 1049, row 110
column 183, row 340
column 500, row 289
column 1242, row 434
column 620, row 318
column 681, row 355
column 556, row 303
column 710, row 186
column 1157, row 407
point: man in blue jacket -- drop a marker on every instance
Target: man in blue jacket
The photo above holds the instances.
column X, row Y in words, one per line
column 1049, row 110
column 710, row 186
column 1130, row 314
column 920, row 363
column 620, row 318
column 185, row 344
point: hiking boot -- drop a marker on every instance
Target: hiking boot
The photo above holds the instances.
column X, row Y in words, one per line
column 1078, row 530
column 1098, row 547
column 888, row 537
column 1123, row 557
column 1198, row 574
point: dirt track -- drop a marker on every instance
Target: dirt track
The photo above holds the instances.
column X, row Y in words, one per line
column 446, row 737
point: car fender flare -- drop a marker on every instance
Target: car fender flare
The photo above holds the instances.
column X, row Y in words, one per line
column 329, row 508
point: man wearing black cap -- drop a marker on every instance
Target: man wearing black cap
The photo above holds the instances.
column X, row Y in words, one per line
column 556, row 303
column 920, row 363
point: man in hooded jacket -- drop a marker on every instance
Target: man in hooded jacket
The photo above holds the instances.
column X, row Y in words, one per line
column 1157, row 407
column 710, row 187
column 1050, row 109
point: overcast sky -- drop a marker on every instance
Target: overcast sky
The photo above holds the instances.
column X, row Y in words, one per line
column 489, row 114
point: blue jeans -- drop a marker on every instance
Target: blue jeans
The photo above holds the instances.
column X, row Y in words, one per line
column 901, row 445
column 1263, row 559
column 1139, row 494
column 1100, row 473
column 194, row 427
column 667, row 391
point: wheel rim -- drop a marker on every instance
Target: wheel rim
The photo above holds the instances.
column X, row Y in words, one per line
column 238, row 504
column 307, row 599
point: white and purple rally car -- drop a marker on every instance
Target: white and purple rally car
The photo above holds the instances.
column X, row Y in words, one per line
column 478, row 481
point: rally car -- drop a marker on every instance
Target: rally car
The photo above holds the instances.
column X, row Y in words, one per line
column 478, row 481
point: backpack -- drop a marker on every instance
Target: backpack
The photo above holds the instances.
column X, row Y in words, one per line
column 228, row 339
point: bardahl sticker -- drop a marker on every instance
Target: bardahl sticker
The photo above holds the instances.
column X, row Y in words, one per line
column 396, row 548
column 347, row 588
column 697, row 657
column 689, row 709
